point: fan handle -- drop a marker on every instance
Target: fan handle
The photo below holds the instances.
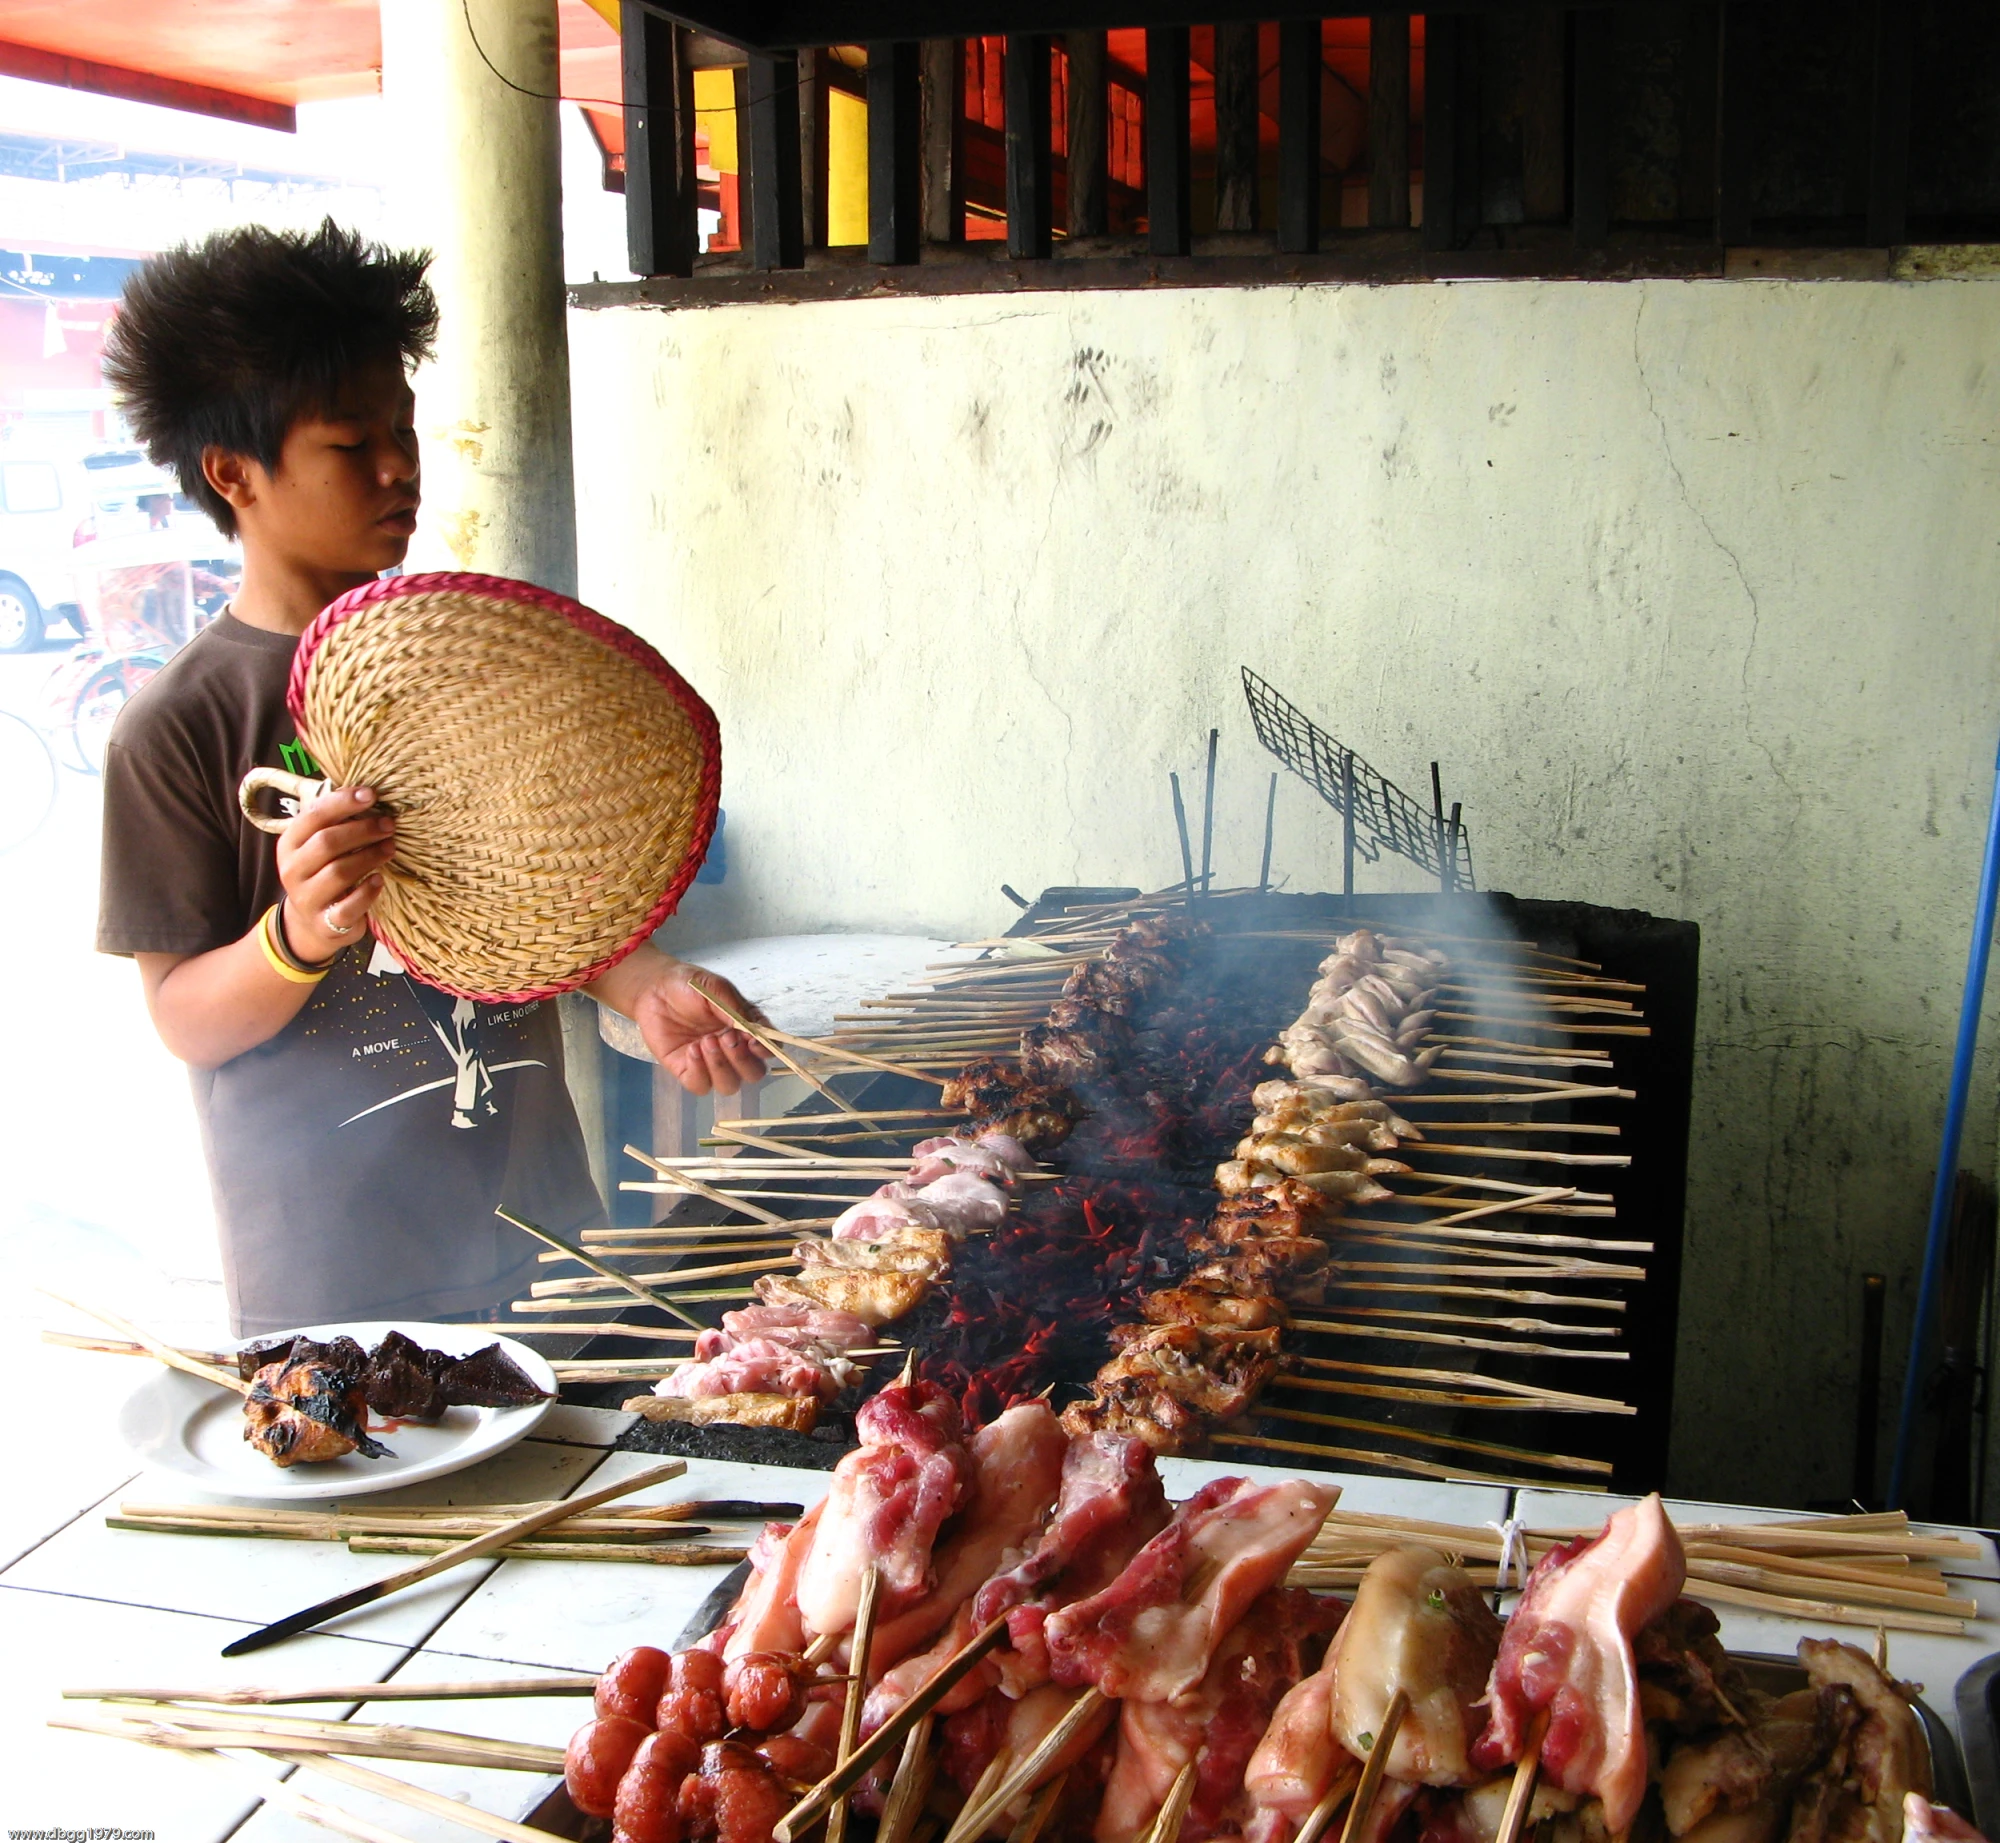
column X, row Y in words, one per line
column 301, row 787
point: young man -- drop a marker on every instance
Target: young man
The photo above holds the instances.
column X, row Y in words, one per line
column 360, row 1127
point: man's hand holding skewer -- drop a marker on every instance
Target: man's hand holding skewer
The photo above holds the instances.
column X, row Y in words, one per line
column 690, row 1036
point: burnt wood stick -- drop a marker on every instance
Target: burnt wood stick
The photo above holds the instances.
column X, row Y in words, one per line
column 1208, row 782
column 479, row 1546
column 1181, row 827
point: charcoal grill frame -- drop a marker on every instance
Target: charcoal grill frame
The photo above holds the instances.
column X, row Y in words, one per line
column 1655, row 951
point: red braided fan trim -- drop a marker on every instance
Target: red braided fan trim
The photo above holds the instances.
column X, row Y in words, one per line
column 620, row 640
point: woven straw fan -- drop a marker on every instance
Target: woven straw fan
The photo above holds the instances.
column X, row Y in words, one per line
column 554, row 780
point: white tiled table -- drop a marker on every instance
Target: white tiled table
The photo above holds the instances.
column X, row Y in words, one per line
column 87, row 1605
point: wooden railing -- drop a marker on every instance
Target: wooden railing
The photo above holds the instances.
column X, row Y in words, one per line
column 1048, row 134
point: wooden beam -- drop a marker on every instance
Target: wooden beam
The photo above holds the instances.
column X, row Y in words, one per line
column 813, row 121
column 1087, row 198
column 942, row 80
column 661, row 229
column 773, row 23
column 777, row 211
column 1695, row 179
column 1887, row 26
column 1169, row 210
column 1590, row 126
column 69, row 73
column 746, row 203
column 1298, row 136
column 1735, row 120
column 1443, row 168
column 1236, row 126
column 895, row 152
column 1389, row 121
column 1030, row 158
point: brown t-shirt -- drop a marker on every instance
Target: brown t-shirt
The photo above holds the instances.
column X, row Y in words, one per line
column 356, row 1157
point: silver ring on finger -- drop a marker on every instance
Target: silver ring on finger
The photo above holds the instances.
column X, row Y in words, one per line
column 332, row 926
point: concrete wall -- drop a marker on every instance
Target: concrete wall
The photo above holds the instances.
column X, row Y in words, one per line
column 1690, row 586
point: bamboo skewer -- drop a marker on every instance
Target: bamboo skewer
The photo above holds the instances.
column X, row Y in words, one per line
column 272, row 1791
column 844, row 1777
column 1525, row 1154
column 1513, row 1346
column 166, row 1353
column 859, row 1647
column 1373, row 1769
column 471, row 1550
column 1522, row 1792
column 1039, row 1813
column 437, row 1746
column 1462, row 1318
column 635, row 1288
column 578, row 1288
column 1322, row 1814
column 231, row 1695
column 680, row 1180
column 1173, row 1814
column 1486, row 1449
column 685, row 1555
column 910, row 1786
column 432, row 1804
column 980, row 1813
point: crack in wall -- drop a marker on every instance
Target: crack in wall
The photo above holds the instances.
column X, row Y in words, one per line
column 1735, row 561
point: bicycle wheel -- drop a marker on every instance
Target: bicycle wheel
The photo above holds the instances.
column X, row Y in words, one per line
column 29, row 779
column 98, row 703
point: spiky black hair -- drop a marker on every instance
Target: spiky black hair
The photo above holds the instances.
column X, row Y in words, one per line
column 227, row 342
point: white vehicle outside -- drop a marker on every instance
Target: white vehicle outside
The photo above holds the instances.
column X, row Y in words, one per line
column 66, row 520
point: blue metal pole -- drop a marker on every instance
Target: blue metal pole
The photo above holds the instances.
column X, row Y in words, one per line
column 1954, row 1129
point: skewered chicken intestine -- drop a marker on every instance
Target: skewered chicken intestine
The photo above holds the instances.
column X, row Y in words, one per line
column 1419, row 1625
column 1140, row 1637
column 888, row 1500
column 1568, row 1649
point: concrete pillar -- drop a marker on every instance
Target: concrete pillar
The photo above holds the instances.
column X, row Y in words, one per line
column 479, row 179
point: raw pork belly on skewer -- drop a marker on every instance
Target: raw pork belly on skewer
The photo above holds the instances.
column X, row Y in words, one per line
column 1140, row 1637
column 889, row 1498
column 1568, row 1650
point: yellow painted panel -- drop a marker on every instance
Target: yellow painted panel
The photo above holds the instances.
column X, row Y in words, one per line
column 606, row 10
column 715, row 116
column 847, row 168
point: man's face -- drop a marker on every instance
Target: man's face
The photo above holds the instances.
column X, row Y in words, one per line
column 343, row 497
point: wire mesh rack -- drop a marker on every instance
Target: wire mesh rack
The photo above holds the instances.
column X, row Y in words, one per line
column 1377, row 816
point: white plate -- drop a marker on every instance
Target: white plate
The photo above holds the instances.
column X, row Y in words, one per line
column 185, row 1425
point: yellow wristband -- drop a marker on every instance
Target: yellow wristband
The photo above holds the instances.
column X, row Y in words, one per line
column 277, row 961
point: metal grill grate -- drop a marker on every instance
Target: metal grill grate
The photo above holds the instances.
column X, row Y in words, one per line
column 1376, row 814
